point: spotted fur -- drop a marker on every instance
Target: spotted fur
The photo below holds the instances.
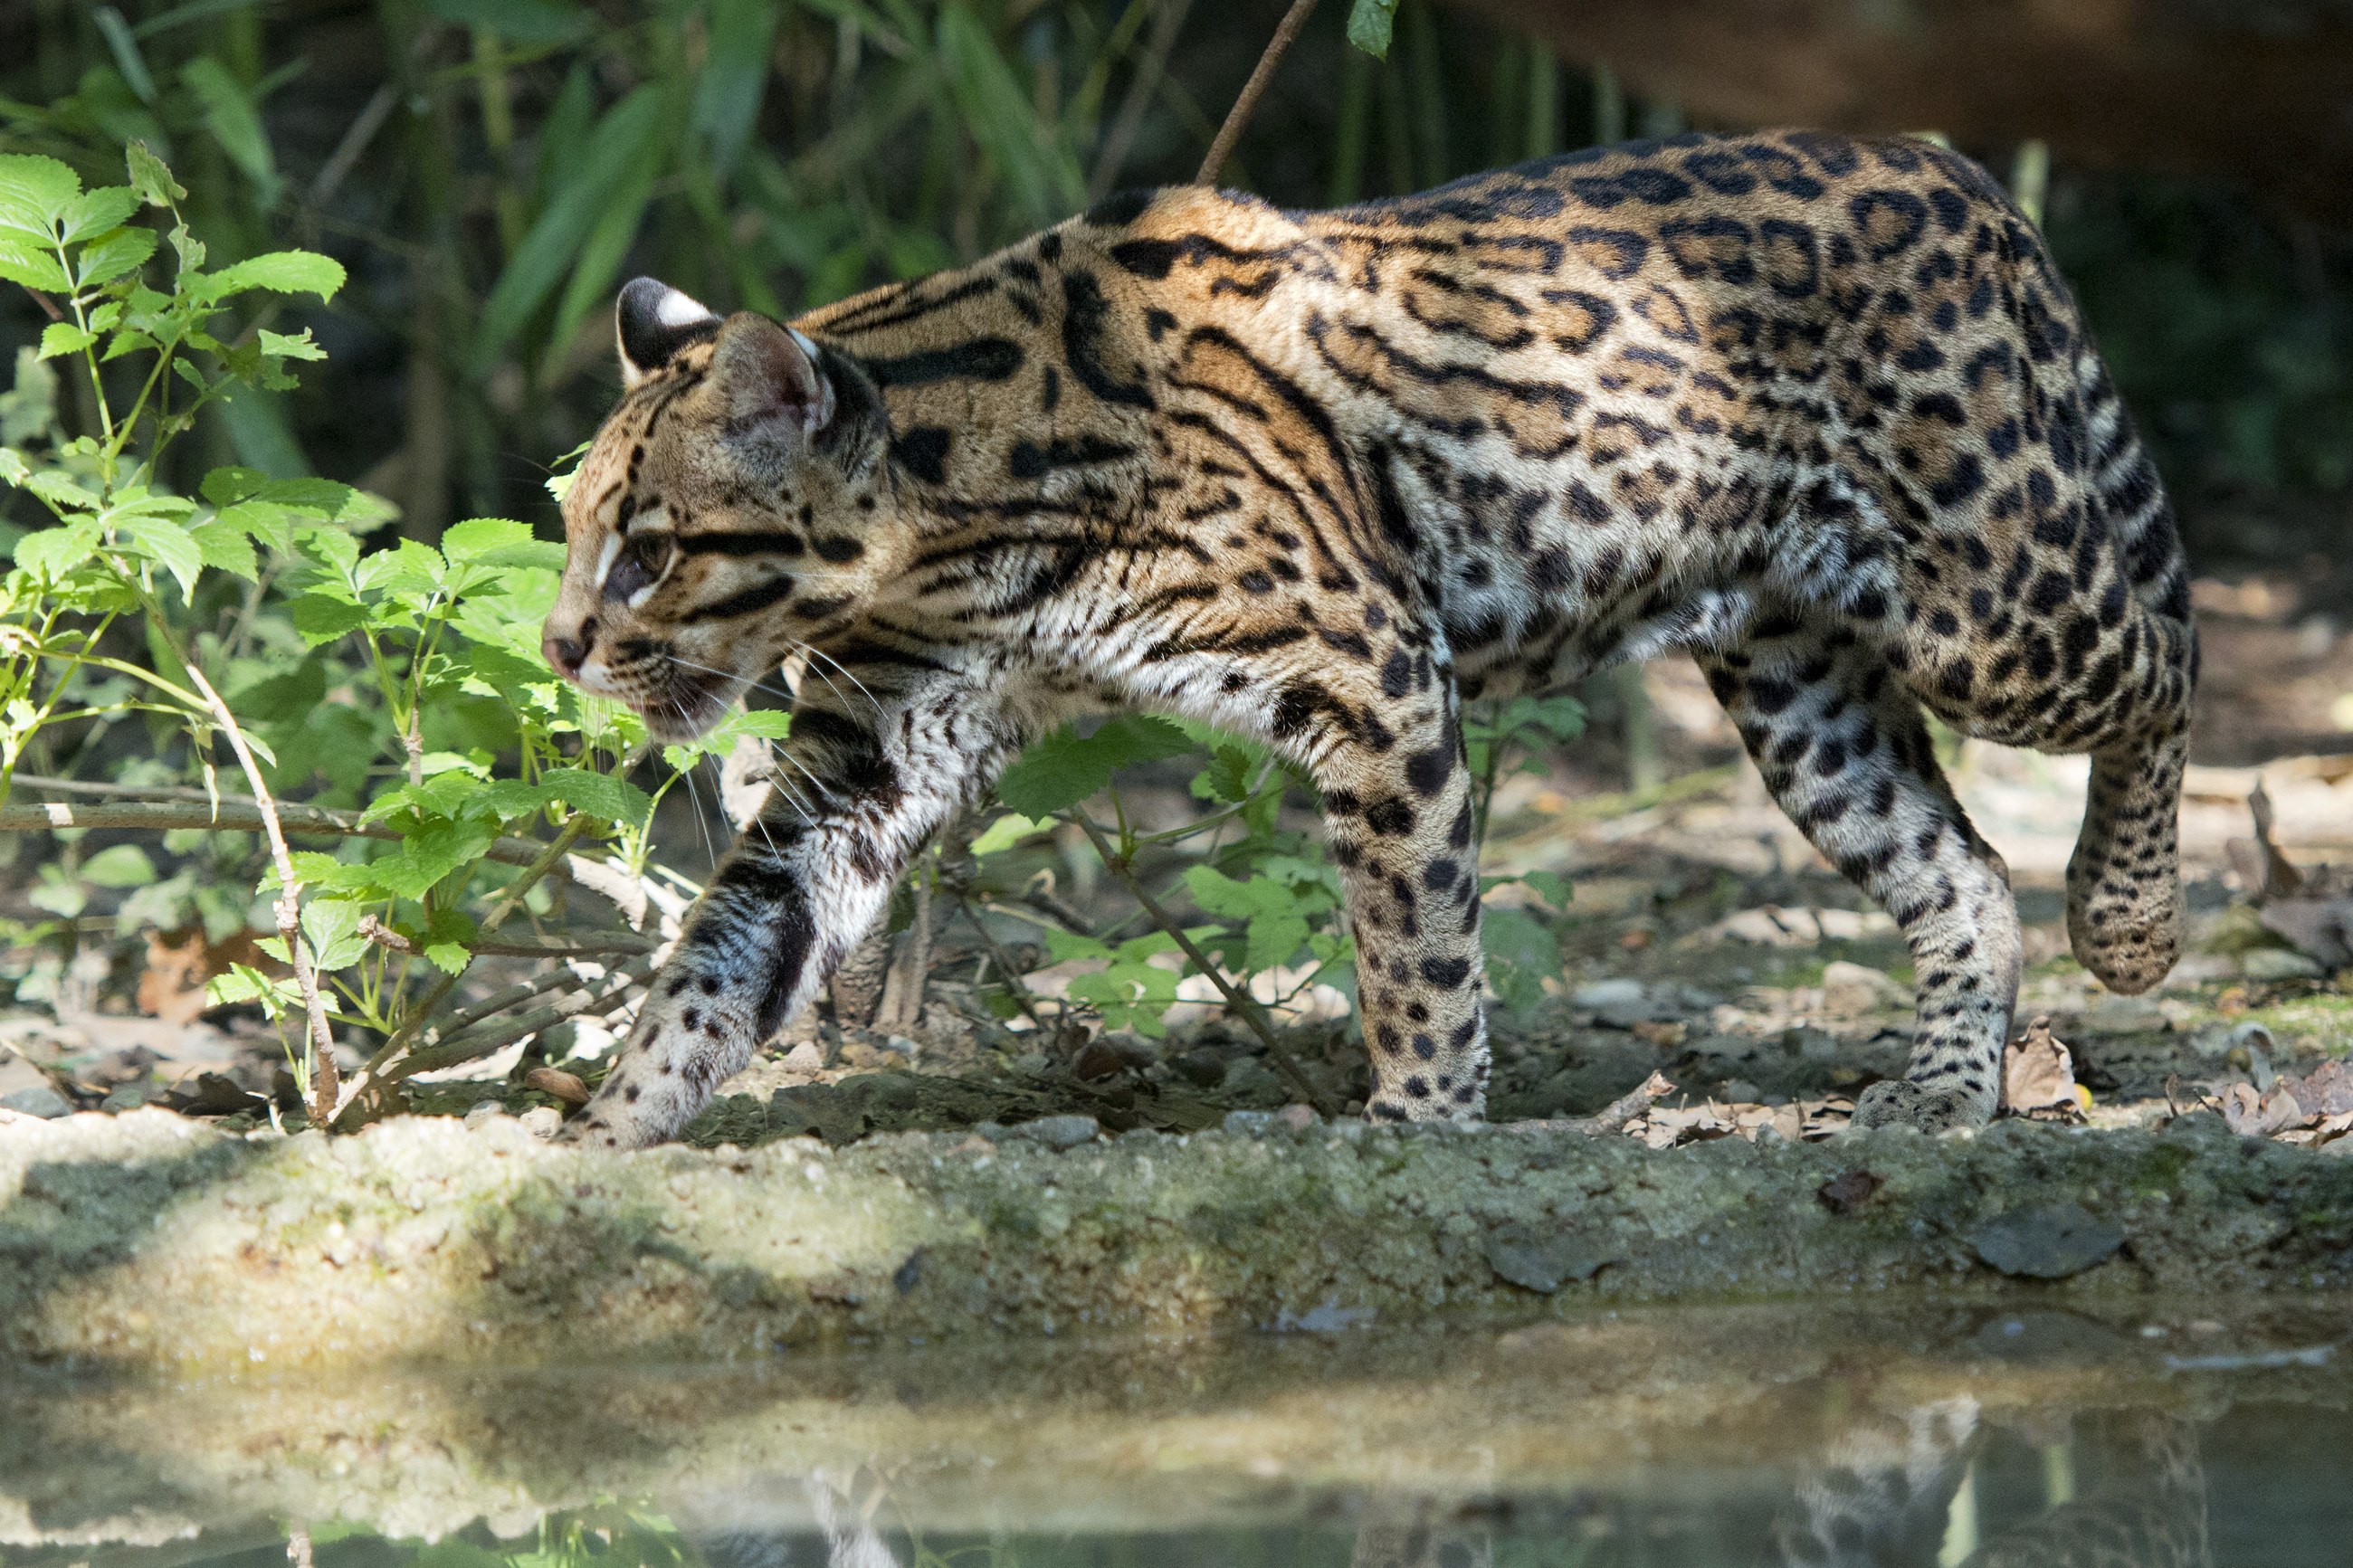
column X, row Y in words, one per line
column 1821, row 411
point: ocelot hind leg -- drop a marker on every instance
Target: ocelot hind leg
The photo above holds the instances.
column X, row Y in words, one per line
column 1845, row 753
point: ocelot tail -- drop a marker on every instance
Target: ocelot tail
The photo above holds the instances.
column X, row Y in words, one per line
column 1819, row 411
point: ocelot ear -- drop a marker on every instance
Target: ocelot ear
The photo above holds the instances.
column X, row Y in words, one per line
column 769, row 376
column 653, row 322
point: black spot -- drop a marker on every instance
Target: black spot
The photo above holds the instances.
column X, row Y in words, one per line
column 1392, row 817
column 1397, row 674
column 1446, row 972
column 1428, row 770
column 923, row 452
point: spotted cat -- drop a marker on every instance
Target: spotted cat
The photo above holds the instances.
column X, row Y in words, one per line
column 1821, row 411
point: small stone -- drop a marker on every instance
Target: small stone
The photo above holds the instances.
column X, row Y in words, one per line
column 483, row 1111
column 541, row 1121
column 1060, row 1132
column 39, row 1100
column 2049, row 1242
column 1201, row 1066
column 1028, row 1064
column 1250, row 1078
column 2279, row 963
column 1621, row 1002
column 1849, row 1190
column 1740, row 1091
column 129, row 1096
column 805, row 1058
column 903, row 1046
column 2125, row 1015
column 1543, row 1259
column 1297, row 1117
column 1096, row 1062
column 1248, row 1123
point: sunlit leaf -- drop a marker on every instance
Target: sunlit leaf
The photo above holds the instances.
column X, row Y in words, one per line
column 1066, row 767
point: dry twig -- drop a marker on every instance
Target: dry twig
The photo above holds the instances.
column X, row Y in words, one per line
column 1246, row 103
column 325, row 1086
column 167, row 809
column 1244, row 1005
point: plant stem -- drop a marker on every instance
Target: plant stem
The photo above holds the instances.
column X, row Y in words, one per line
column 1246, row 103
column 325, row 1090
column 194, row 811
column 1243, row 1005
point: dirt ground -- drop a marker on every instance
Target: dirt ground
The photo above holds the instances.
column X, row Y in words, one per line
column 1706, row 941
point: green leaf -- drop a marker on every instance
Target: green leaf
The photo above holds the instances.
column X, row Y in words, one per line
column 1006, row 831
column 598, row 794
column 1521, row 954
column 65, row 337
column 235, row 123
column 224, row 545
column 288, row 695
column 431, row 853
column 1275, row 913
column 331, row 927
column 727, row 94
column 296, row 345
column 166, row 543
column 524, row 21
column 150, row 178
column 110, row 255
column 93, row 212
column 29, row 266
column 119, row 865
column 620, row 139
column 51, row 553
column 1370, row 23
column 1065, row 768
column 1001, row 117
column 279, row 271
column 499, row 542
column 323, row 619
column 35, row 193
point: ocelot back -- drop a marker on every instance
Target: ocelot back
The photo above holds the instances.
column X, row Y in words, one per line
column 1819, row 411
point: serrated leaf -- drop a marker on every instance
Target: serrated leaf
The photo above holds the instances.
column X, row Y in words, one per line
column 65, row 337
column 54, row 551
column 1066, row 767
column 150, row 176
column 429, row 854
column 92, row 212
column 23, row 263
column 224, row 546
column 166, row 543
column 281, row 272
column 322, row 619
column 110, row 255
column 1005, row 832
column 290, row 345
column 598, row 794
column 499, row 542
column 35, row 193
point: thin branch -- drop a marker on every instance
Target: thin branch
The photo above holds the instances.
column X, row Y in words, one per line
column 1241, row 1003
column 592, row 1000
column 324, row 1085
column 1634, row 1103
column 1253, row 91
column 599, row 945
column 1003, row 960
column 171, row 807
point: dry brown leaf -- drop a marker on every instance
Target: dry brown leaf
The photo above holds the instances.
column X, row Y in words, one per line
column 563, row 1085
column 2038, row 1075
column 2327, row 1091
column 1665, row 1036
column 2261, row 1116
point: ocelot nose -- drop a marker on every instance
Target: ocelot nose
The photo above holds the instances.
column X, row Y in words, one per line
column 565, row 654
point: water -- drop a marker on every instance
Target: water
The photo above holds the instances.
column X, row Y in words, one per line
column 2198, row 1434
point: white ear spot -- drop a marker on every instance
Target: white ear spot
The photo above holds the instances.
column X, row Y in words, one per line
column 680, row 309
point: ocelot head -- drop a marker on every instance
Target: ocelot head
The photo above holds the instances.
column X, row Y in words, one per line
column 735, row 507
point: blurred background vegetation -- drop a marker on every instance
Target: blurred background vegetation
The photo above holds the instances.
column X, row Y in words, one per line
column 490, row 170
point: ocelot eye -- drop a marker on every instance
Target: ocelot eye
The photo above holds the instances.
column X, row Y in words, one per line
column 640, row 566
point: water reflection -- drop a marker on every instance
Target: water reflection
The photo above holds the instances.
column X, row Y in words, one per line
column 1742, row 1438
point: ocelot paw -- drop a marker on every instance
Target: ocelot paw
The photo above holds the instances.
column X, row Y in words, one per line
column 1900, row 1103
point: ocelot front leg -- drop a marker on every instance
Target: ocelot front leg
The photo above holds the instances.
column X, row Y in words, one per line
column 1398, row 816
column 862, row 782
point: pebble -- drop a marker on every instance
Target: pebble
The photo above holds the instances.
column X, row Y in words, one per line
column 541, row 1121
column 805, row 1057
column 1060, row 1132
column 39, row 1100
column 1852, row 988
column 483, row 1110
column 1298, row 1118
column 2279, row 963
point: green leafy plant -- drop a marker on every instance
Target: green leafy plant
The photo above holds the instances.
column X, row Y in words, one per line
column 399, row 689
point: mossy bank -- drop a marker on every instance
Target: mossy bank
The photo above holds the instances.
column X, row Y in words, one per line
column 148, row 1239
